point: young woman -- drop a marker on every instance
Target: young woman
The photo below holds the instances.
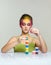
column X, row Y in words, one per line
column 18, row 44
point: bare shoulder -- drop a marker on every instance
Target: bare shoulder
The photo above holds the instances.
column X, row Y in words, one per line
column 32, row 39
column 35, row 39
column 13, row 39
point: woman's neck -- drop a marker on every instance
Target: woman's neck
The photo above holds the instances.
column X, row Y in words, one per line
column 25, row 34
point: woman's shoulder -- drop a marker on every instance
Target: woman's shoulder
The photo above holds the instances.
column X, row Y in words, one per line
column 33, row 38
column 14, row 37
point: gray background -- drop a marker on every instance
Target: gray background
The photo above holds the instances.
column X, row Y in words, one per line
column 11, row 11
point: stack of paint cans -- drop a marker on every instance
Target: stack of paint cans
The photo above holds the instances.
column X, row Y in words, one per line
column 27, row 46
column 36, row 51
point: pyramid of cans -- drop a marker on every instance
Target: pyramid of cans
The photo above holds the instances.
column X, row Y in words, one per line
column 27, row 46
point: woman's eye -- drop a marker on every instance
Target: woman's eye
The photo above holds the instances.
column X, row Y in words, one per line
column 23, row 24
column 29, row 24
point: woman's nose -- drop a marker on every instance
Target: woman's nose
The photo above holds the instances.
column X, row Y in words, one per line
column 26, row 25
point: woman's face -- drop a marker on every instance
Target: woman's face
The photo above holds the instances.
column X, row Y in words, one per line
column 26, row 25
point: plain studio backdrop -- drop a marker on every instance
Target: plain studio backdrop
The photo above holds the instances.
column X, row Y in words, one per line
column 11, row 11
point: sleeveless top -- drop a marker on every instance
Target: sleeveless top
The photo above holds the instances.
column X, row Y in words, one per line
column 21, row 47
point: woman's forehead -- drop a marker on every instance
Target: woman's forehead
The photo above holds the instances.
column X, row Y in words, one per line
column 26, row 20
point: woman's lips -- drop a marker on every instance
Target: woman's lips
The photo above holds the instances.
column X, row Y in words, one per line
column 26, row 29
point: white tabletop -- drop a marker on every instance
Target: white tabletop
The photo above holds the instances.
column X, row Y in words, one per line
column 23, row 59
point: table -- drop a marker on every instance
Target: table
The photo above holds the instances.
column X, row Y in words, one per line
column 23, row 59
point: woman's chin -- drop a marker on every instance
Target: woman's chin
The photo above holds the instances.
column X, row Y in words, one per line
column 26, row 32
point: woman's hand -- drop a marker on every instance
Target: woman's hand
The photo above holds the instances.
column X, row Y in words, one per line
column 34, row 31
column 21, row 39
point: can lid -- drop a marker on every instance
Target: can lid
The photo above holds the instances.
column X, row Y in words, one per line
column 23, row 38
column 33, row 51
column 36, row 48
column 26, row 38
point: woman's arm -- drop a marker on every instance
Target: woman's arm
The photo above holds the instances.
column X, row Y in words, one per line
column 10, row 44
column 41, row 44
column 39, row 41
